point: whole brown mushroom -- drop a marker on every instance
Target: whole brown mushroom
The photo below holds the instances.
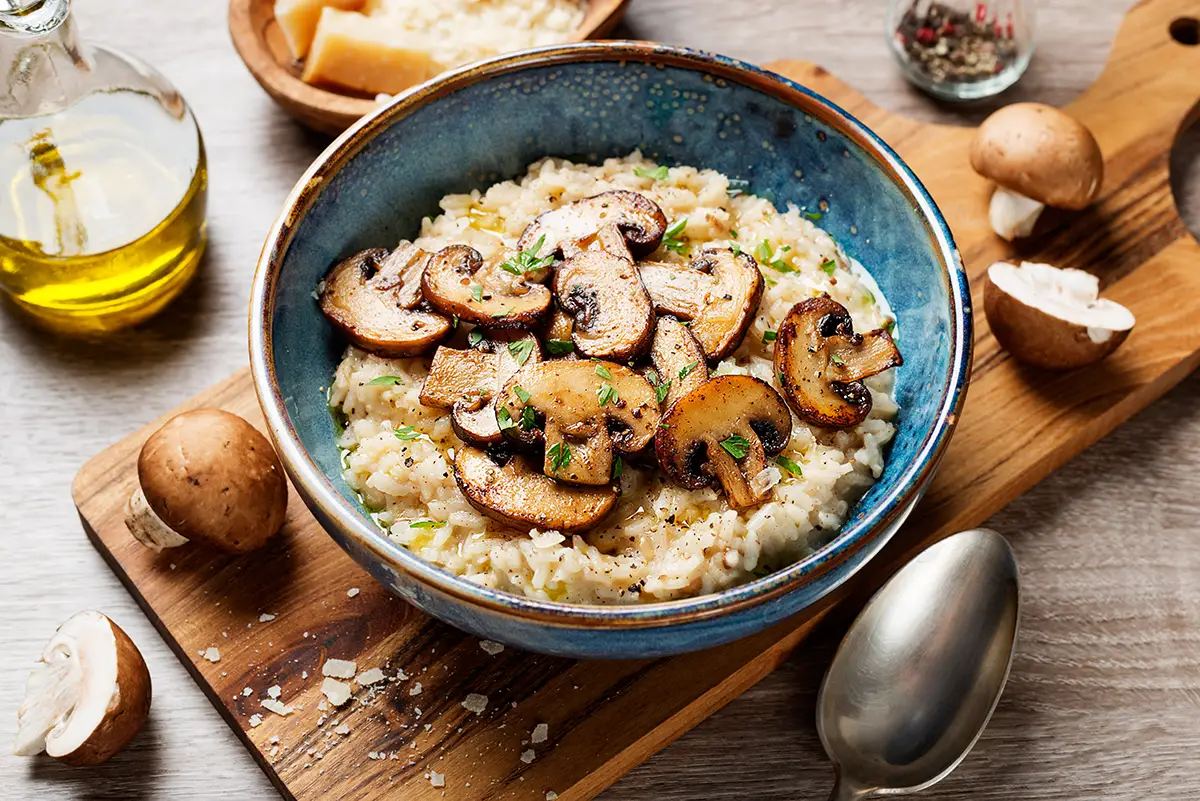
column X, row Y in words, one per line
column 209, row 476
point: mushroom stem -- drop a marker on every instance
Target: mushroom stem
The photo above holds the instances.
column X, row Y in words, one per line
column 147, row 527
column 1012, row 214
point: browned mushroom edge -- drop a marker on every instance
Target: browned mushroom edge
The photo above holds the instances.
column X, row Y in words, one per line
column 457, row 281
column 640, row 220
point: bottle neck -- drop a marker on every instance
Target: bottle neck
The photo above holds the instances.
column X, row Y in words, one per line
column 43, row 65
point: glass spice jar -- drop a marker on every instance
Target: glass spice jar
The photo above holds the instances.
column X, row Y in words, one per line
column 961, row 49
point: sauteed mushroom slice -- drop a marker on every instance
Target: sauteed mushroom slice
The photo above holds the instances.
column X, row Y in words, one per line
column 558, row 333
column 583, row 412
column 513, row 491
column 597, row 284
column 372, row 299
column 719, row 292
column 677, row 361
column 467, row 382
column 640, row 220
column 821, row 363
column 723, row 431
column 457, row 281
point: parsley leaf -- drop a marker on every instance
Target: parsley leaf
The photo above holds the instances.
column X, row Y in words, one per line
column 672, row 240
column 764, row 252
column 788, row 465
column 782, row 377
column 528, row 418
column 870, row 296
column 560, row 456
column 504, row 419
column 477, row 293
column 661, row 390
column 686, row 370
column 522, row 394
column 475, row 337
column 769, row 336
column 828, row 266
column 736, row 248
column 603, row 372
column 427, row 524
column 559, row 347
column 606, row 394
column 733, row 233
column 406, row 433
column 813, row 215
column 737, row 187
column 385, row 381
column 520, row 350
column 500, row 313
column 889, row 325
column 737, row 446
column 618, row 466
column 657, row 174
column 528, row 260
column 838, row 360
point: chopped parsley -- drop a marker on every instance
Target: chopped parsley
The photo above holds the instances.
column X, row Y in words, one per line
column 528, row 418
column 766, row 255
column 672, row 240
column 559, row 347
column 838, row 360
column 606, row 394
column 788, row 465
column 661, row 390
column 406, row 433
column 560, row 456
column 736, row 248
column 813, row 215
column 736, row 445
column 475, row 337
column 528, row 260
column 520, row 350
column 687, row 369
column 828, row 266
column 737, row 187
column 504, row 419
column 782, row 377
column 603, row 372
column 657, row 174
column 618, row 466
column 769, row 336
column 500, row 313
column 385, row 381
column 427, row 524
column 477, row 293
column 522, row 394
column 733, row 233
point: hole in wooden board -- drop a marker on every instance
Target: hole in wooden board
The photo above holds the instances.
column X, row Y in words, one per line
column 1186, row 30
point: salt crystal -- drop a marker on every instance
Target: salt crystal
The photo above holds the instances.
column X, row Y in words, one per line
column 322, row 706
column 339, row 668
column 273, row 691
column 212, row 655
column 437, row 779
column 527, row 756
column 265, row 618
column 278, row 707
column 341, row 728
column 372, row 676
column 476, row 703
column 304, row 674
column 274, row 740
column 417, row 711
column 492, row 648
column 255, row 720
column 551, row 795
column 338, row 692
column 540, row 733
column 352, row 591
column 246, row 691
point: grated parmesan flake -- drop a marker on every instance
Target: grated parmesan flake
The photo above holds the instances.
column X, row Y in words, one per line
column 338, row 692
column 476, row 703
column 541, row 733
column 372, row 676
column 492, row 648
column 339, row 668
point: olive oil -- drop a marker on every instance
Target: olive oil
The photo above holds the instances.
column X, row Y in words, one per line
column 102, row 208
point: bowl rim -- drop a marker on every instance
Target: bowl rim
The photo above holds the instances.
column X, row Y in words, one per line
column 319, row 491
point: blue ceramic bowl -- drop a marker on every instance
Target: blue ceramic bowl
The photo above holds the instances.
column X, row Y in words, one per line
column 588, row 101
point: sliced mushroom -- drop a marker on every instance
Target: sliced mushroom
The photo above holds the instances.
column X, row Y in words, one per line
column 558, row 335
column 516, row 493
column 374, row 296
column 640, row 220
column 597, row 284
column 724, row 430
column 468, row 381
column 87, row 697
column 1037, row 156
column 1052, row 318
column 821, row 362
column 677, row 360
column 208, row 476
column 719, row 292
column 582, row 411
column 458, row 282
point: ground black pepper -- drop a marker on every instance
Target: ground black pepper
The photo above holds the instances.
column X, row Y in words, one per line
column 953, row 45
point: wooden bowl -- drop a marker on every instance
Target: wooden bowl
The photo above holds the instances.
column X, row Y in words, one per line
column 260, row 43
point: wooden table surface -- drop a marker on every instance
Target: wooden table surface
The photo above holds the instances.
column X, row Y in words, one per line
column 1104, row 699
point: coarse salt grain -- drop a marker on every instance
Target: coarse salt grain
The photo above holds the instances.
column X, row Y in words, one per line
column 265, row 617
column 476, row 703
column 352, row 591
column 437, row 779
column 528, row 756
column 339, row 668
column 541, row 733
column 338, row 692
column 274, row 691
column 551, row 795
column 246, row 691
column 212, row 654
column 492, row 648
column 372, row 676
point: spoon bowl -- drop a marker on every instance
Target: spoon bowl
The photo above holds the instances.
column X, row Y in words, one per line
column 914, row 682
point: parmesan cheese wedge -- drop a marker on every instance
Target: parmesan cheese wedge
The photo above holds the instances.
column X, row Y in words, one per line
column 353, row 51
column 298, row 20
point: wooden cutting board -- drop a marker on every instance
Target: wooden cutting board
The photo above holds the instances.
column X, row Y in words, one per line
column 605, row 718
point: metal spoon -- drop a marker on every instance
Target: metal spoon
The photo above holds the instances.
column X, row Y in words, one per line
column 917, row 676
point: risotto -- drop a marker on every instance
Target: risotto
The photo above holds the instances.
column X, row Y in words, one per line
column 663, row 540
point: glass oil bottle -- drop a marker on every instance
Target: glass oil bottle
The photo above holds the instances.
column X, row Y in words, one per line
column 103, row 183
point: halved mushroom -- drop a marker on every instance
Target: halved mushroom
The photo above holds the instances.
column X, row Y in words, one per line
column 374, row 297
column 87, row 697
column 1037, row 156
column 582, row 411
column 821, row 362
column 640, row 220
column 719, row 292
column 516, row 493
column 468, row 381
column 724, row 430
column 457, row 281
column 677, row 360
column 1052, row 318
column 597, row 284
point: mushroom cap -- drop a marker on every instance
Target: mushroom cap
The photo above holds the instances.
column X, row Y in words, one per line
column 821, row 362
column 518, row 494
column 701, row 435
column 1040, row 152
column 457, row 281
column 719, row 291
column 1052, row 318
column 214, row 479
column 370, row 298
column 598, row 284
column 640, row 220
column 89, row 695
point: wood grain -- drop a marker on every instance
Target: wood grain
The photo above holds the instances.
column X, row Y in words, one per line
column 608, row 717
column 1105, row 690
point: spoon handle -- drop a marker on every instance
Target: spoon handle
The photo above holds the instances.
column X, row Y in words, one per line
column 844, row 790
